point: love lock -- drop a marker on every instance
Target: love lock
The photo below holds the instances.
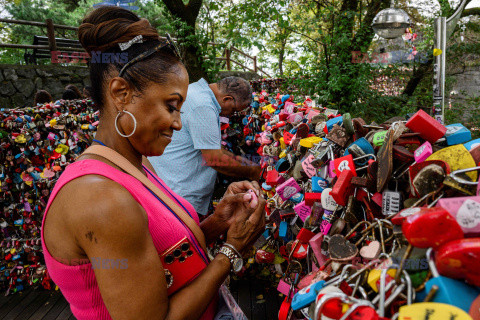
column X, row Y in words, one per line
column 466, row 211
column 450, row 291
column 338, row 135
column 340, row 249
column 428, row 179
column 459, row 259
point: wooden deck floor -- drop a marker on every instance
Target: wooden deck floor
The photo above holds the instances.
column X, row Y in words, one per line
column 257, row 301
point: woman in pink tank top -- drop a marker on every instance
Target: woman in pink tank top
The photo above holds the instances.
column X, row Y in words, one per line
column 103, row 231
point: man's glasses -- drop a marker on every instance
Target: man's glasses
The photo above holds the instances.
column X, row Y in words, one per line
column 168, row 43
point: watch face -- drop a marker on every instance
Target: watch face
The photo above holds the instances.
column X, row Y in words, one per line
column 237, row 265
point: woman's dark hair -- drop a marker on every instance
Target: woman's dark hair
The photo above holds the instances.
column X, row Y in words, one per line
column 70, row 95
column 101, row 32
column 74, row 89
column 42, row 96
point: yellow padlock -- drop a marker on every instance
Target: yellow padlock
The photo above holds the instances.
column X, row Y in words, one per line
column 282, row 143
column 12, row 251
column 432, row 311
column 458, row 158
column 310, row 141
column 374, row 276
column 53, row 122
column 84, row 126
column 282, row 154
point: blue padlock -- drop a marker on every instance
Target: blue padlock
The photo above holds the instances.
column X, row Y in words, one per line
column 307, row 295
column 319, row 184
column 362, row 145
column 333, row 121
column 457, row 133
column 266, row 187
column 472, row 144
column 297, row 198
column 285, row 98
column 450, row 291
column 283, row 230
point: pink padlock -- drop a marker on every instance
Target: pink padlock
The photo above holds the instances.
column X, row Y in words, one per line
column 466, row 210
column 331, row 169
column 287, row 189
column 51, row 136
column 316, row 245
column 303, row 210
column 289, row 107
column 423, row 152
column 284, row 287
column 307, row 166
column 295, row 118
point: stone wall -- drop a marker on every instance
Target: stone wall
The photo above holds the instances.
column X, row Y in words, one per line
column 466, row 82
column 19, row 83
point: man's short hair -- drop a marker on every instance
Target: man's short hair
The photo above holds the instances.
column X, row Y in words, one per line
column 238, row 88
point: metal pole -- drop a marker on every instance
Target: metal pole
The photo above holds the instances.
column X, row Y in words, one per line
column 443, row 30
column 439, row 70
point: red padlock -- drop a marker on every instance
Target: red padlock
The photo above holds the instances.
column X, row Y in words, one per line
column 300, row 250
column 262, row 256
column 304, row 235
column 287, row 137
column 272, row 177
column 343, row 188
column 459, row 259
column 431, row 227
column 429, row 128
column 312, row 197
column 344, row 163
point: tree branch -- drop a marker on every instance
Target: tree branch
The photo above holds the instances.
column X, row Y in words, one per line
column 471, row 12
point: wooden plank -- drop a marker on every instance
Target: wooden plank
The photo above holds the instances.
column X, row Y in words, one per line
column 56, row 309
column 53, row 297
column 16, row 299
column 19, row 307
column 244, row 300
column 5, row 299
column 41, row 298
column 258, row 305
column 271, row 304
column 65, row 314
column 22, row 46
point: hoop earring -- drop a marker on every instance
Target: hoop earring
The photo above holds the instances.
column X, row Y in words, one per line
column 134, row 124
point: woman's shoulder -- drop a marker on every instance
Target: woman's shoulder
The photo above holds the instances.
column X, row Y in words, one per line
column 95, row 199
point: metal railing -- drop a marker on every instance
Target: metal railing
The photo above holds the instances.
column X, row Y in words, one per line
column 52, row 45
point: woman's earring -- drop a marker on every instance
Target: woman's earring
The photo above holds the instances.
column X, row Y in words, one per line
column 134, row 124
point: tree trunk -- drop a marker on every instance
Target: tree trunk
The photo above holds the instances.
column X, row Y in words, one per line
column 188, row 14
column 281, row 57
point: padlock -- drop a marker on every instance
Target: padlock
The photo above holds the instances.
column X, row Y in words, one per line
column 456, row 134
column 344, row 163
column 441, row 229
column 458, row 158
column 287, row 189
column 343, row 188
column 302, row 210
column 379, row 138
column 470, row 145
column 359, row 148
column 429, row 129
column 450, row 291
column 431, row 310
column 338, row 135
column 334, row 121
column 465, row 210
column 391, row 202
column 459, row 259
column 307, row 295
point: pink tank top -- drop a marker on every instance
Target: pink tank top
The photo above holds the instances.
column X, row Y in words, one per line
column 77, row 283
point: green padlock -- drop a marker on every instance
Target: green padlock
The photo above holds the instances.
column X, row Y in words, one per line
column 379, row 138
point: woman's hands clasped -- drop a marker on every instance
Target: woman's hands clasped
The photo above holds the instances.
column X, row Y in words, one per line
column 244, row 213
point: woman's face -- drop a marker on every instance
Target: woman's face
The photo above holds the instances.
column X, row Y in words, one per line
column 157, row 113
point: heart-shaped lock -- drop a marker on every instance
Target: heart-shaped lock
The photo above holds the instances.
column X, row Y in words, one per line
column 371, row 251
column 341, row 249
column 263, row 256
